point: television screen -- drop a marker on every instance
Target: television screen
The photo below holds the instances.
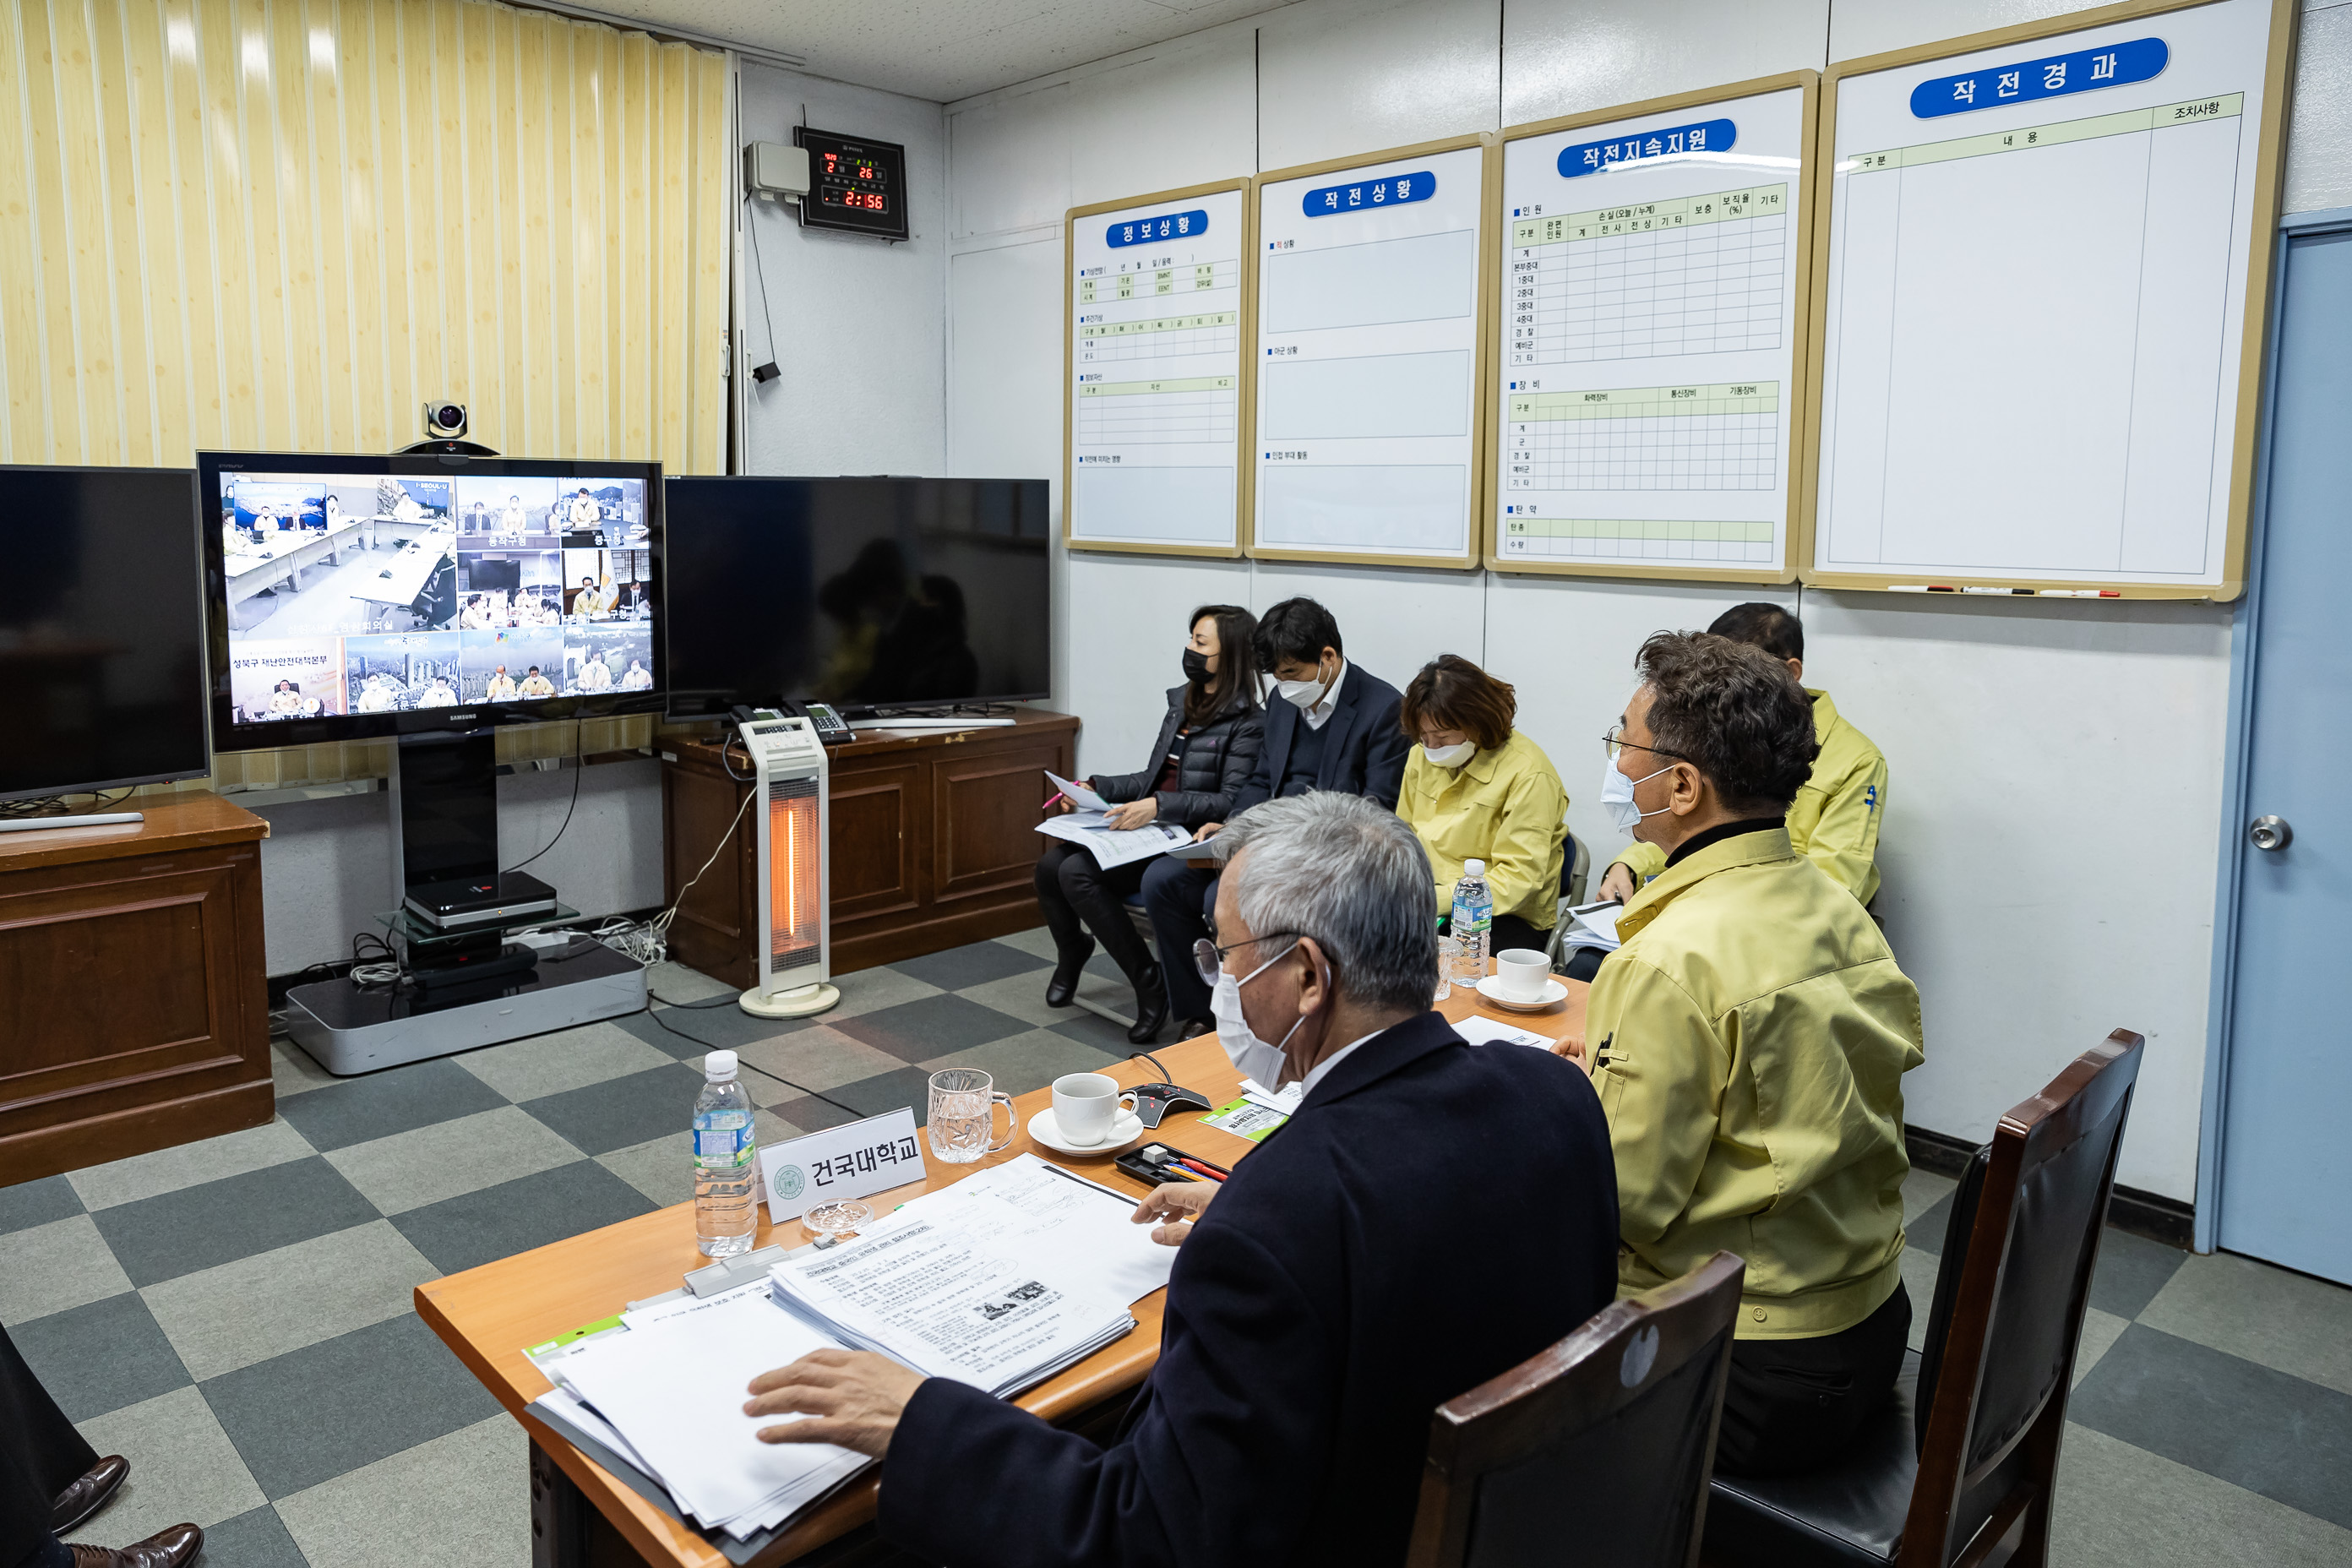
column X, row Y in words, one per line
column 101, row 630
column 356, row 596
column 862, row 593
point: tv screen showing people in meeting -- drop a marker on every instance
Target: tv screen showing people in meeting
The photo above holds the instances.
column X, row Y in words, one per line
column 861, row 592
column 101, row 631
column 367, row 595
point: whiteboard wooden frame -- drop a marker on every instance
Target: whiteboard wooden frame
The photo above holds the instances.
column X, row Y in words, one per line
column 1490, row 176
column 1247, row 285
column 2253, row 352
column 1798, row 526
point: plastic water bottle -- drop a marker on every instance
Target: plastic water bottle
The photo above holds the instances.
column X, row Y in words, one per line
column 1473, row 913
column 726, row 1164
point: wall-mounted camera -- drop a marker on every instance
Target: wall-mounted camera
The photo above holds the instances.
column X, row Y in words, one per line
column 444, row 419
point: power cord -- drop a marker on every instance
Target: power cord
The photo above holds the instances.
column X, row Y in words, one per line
column 46, row 805
column 578, row 767
column 710, row 1046
column 648, row 941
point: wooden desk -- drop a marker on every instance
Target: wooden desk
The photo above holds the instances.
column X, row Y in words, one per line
column 487, row 1314
column 136, row 1011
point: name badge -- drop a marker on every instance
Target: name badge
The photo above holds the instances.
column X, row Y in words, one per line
column 869, row 1156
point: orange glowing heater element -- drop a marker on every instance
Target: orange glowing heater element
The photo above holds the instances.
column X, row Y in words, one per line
column 793, row 890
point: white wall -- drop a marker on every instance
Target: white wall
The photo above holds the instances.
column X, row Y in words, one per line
column 858, row 323
column 2052, row 827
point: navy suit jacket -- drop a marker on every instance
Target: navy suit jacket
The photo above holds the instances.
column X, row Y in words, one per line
column 1364, row 746
column 1435, row 1214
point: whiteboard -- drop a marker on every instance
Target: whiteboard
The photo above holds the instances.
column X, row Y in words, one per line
column 1652, row 286
column 1368, row 400
column 1152, row 435
column 2047, row 260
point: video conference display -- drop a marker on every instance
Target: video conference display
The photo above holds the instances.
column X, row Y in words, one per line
column 371, row 594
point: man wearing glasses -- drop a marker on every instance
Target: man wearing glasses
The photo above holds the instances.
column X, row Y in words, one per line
column 1833, row 821
column 1749, row 1041
column 1434, row 1215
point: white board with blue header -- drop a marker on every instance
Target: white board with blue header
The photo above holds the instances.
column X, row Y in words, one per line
column 1647, row 372
column 2044, row 283
column 1153, row 391
column 1369, row 357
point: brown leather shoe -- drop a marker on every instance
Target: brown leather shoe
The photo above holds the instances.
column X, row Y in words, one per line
column 93, row 1491
column 173, row 1548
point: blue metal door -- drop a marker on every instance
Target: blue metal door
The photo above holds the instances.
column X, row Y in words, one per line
column 2285, row 1166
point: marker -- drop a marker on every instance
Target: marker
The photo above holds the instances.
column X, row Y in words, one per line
column 1906, row 587
column 1049, row 805
column 1195, row 1166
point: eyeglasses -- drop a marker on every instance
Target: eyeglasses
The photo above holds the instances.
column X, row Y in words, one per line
column 1616, row 742
column 1209, row 958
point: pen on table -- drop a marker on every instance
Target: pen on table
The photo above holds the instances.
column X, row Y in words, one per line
column 1195, row 1166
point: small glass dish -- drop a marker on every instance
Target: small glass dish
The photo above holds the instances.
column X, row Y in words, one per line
column 831, row 1222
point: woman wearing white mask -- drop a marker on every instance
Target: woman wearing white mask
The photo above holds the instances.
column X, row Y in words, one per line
column 1475, row 788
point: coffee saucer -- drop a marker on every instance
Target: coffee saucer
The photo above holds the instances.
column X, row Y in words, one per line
column 1491, row 989
column 1125, row 1129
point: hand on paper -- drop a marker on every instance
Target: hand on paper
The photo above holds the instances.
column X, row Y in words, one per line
column 1617, row 882
column 1134, row 813
column 1573, row 1048
column 1208, row 830
column 852, row 1398
column 1176, row 1205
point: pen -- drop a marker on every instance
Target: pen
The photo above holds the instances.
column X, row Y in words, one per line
column 1049, row 805
column 1195, row 1166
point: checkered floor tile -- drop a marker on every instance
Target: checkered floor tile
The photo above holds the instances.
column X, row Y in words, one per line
column 234, row 1315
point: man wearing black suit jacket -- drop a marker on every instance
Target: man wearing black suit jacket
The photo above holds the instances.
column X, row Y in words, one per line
column 1336, row 729
column 1434, row 1215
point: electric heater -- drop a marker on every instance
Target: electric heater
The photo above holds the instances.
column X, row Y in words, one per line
column 788, row 802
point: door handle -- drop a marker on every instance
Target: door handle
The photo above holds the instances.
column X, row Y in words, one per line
column 2270, row 833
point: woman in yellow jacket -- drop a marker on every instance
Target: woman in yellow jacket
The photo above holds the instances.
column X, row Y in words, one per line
column 1475, row 788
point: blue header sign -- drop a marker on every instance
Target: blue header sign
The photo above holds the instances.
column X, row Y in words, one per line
column 2052, row 76
column 1702, row 136
column 1152, row 230
column 1394, row 191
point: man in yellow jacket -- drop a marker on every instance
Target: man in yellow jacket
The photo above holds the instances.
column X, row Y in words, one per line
column 1833, row 821
column 1749, row 1042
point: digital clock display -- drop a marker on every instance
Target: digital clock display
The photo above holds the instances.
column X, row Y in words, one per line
column 855, row 184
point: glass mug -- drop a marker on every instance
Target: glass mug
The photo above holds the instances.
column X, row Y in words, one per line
column 963, row 1116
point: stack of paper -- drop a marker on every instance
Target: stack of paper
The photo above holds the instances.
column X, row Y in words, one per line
column 668, row 1396
column 1592, row 925
column 1000, row 1281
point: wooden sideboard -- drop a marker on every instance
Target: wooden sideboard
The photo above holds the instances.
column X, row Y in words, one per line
column 136, row 1014
column 934, row 836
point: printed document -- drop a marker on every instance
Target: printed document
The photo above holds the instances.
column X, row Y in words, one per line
column 1112, row 846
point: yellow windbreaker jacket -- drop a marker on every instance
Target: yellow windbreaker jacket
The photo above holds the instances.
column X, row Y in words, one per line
column 1749, row 1042
column 1504, row 806
column 1833, row 821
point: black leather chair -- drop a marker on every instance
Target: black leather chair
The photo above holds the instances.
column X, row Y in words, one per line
column 1971, row 1482
column 1598, row 1450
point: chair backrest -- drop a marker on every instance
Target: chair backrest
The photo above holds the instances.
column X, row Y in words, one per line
column 2010, row 1295
column 1620, row 1415
column 1575, row 867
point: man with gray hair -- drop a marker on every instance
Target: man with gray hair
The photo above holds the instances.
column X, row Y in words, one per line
column 1435, row 1214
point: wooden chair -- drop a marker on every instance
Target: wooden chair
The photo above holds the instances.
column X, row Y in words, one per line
column 1971, row 1483
column 1597, row 1450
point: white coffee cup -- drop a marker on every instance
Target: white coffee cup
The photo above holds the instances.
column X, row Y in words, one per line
column 1085, row 1106
column 1521, row 973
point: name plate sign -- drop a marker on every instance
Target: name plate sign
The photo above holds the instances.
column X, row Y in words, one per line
column 847, row 1162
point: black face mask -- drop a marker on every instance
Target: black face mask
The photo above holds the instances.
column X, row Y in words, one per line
column 1196, row 666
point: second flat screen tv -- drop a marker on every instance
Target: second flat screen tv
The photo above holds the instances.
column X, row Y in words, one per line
column 863, row 592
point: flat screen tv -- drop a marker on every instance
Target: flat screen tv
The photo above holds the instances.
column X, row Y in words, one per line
column 101, row 631
column 353, row 597
column 867, row 593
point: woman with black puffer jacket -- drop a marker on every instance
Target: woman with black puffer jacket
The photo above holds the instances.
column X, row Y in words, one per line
column 1208, row 743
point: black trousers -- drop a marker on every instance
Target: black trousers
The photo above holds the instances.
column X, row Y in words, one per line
column 1078, row 895
column 1178, row 897
column 1791, row 1405
column 40, row 1456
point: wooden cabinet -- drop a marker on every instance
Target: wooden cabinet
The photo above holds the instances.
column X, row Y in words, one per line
column 136, row 1011
column 933, row 840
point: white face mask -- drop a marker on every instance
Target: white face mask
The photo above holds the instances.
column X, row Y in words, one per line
column 1250, row 1057
column 1617, row 795
column 1450, row 756
column 1303, row 694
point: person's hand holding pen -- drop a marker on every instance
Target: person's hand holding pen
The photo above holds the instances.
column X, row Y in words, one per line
column 1173, row 1205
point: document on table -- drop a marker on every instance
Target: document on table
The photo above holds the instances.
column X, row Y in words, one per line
column 1286, row 1101
column 1483, row 1031
column 921, row 1289
column 1112, row 846
column 1060, row 1221
column 1593, row 925
column 1077, row 793
column 673, row 1389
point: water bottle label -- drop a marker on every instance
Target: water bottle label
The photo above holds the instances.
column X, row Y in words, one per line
column 730, row 1146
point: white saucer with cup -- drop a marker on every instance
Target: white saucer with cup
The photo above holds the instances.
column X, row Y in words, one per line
column 1522, row 980
column 1089, row 1116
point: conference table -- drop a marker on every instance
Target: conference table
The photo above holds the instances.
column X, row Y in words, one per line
column 252, row 572
column 582, row 1517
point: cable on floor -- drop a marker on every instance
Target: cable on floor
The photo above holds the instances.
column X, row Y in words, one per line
column 709, row 1046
